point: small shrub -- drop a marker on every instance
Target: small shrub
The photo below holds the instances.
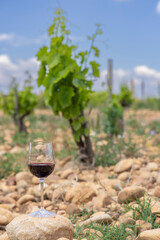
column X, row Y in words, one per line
column 125, row 96
column 113, row 118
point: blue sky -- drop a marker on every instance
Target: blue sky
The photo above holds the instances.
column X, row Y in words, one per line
column 130, row 32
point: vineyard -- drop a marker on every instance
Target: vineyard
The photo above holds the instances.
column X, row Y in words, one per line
column 106, row 147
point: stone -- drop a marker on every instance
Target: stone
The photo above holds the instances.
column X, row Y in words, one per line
column 124, row 219
column 24, row 199
column 157, row 192
column 22, row 184
column 153, row 234
column 102, row 219
column 62, row 238
column 155, row 208
column 35, row 180
column 65, row 160
column 143, row 226
column 66, row 173
column 152, row 166
column 16, row 149
column 25, row 227
column 58, row 194
column 4, row 237
column 24, row 176
column 123, row 165
column 123, row 176
column 72, row 209
column 130, row 194
column 80, row 194
column 5, row 216
column 101, row 201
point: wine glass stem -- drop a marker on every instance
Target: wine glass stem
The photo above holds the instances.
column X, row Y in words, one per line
column 42, row 199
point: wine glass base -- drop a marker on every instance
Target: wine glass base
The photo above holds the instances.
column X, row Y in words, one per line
column 42, row 213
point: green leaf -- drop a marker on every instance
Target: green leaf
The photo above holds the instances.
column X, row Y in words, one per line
column 76, row 136
column 74, row 110
column 86, row 132
column 82, row 55
column 96, row 50
column 65, row 96
column 95, row 68
column 99, row 31
column 53, row 60
column 76, row 124
column 82, row 119
column 51, row 29
column 41, row 74
column 42, row 54
column 79, row 83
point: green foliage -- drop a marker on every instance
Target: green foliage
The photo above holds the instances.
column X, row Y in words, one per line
column 114, row 118
column 9, row 164
column 125, row 96
column 148, row 103
column 20, row 138
column 27, row 101
column 64, row 72
column 154, row 126
column 110, row 153
column 98, row 100
column 107, row 231
column 142, row 211
column 19, row 104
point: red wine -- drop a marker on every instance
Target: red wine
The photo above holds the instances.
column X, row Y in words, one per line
column 41, row 170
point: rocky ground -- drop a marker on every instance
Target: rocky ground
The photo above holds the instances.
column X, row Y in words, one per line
column 121, row 201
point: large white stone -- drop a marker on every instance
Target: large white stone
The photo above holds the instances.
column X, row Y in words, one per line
column 25, row 227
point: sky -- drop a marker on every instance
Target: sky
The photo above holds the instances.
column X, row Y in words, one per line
column 131, row 37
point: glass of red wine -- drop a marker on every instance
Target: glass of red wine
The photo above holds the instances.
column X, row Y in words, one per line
column 41, row 164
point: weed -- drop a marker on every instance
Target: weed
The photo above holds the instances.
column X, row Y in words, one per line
column 103, row 232
column 142, row 210
column 110, row 153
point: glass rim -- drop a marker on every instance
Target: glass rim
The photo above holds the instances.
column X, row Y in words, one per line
column 40, row 141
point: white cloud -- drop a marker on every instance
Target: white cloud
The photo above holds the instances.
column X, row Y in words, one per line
column 121, row 73
column 151, row 77
column 6, row 37
column 158, row 7
column 18, row 40
column 147, row 72
column 8, row 69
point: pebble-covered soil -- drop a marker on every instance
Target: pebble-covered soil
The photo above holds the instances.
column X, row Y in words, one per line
column 120, row 201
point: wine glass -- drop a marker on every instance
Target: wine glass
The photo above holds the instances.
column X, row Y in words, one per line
column 41, row 164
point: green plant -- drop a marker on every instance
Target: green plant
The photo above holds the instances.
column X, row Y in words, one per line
column 148, row 103
column 8, row 164
column 103, row 232
column 63, row 73
column 110, row 153
column 142, row 211
column 114, row 118
column 125, row 96
column 19, row 104
column 20, row 138
column 154, row 126
column 135, row 125
column 131, row 148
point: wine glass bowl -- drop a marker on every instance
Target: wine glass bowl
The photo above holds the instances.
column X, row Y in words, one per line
column 41, row 164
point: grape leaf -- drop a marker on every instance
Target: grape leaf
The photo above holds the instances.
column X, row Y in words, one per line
column 95, row 68
column 65, row 96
